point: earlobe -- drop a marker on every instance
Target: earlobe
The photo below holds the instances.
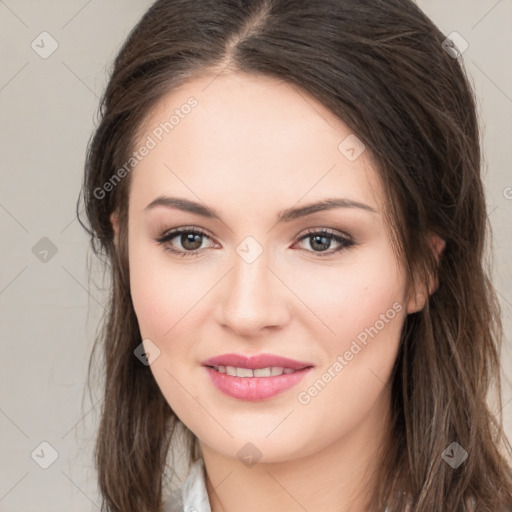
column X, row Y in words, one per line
column 418, row 300
column 416, row 303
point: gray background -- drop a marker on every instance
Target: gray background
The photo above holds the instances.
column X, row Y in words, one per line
column 49, row 309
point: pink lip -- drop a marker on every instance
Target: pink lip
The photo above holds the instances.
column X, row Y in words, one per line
column 255, row 388
column 254, row 362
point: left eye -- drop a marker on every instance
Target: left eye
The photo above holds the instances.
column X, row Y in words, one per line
column 191, row 240
column 324, row 237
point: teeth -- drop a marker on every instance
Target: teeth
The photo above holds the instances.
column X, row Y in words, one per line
column 244, row 372
column 273, row 371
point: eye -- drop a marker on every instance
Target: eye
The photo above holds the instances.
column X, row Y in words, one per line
column 189, row 238
column 322, row 239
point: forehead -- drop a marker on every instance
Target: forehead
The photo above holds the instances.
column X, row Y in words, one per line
column 230, row 134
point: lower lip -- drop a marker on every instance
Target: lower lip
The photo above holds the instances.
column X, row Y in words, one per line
column 255, row 388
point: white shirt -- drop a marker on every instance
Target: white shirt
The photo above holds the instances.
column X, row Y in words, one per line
column 192, row 495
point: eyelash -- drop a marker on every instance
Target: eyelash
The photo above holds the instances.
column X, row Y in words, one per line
column 344, row 241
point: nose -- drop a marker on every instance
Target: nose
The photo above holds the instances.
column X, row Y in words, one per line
column 252, row 298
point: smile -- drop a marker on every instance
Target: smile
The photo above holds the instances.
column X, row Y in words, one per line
column 273, row 371
column 257, row 384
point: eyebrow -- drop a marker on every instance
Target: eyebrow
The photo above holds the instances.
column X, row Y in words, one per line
column 287, row 215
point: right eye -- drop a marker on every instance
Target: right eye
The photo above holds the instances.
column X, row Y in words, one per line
column 190, row 239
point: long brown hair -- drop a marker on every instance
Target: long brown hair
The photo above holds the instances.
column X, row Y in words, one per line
column 383, row 69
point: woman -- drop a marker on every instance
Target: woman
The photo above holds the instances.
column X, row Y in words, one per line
column 290, row 199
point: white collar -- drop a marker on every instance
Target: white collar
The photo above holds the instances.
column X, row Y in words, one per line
column 192, row 495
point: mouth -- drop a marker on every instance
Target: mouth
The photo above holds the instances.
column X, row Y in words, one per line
column 255, row 384
column 270, row 371
column 256, row 377
column 240, row 363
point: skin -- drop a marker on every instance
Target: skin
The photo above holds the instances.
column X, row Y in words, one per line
column 252, row 147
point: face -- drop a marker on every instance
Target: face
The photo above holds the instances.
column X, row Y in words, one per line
column 322, row 288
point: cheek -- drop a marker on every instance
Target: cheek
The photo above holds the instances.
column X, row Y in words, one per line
column 352, row 296
column 363, row 306
column 360, row 306
column 163, row 302
column 151, row 296
column 161, row 295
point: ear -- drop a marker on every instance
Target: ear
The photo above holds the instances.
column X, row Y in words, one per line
column 114, row 219
column 417, row 301
column 437, row 244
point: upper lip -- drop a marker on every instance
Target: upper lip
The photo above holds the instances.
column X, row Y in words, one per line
column 255, row 362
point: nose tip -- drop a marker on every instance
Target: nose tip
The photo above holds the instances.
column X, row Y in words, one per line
column 251, row 299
